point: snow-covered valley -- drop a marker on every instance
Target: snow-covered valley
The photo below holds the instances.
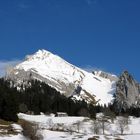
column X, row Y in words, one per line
column 78, row 128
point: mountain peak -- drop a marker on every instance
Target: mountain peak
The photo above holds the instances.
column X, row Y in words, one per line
column 42, row 52
column 40, row 55
column 127, row 76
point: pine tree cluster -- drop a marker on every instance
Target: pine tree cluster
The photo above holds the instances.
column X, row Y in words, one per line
column 38, row 97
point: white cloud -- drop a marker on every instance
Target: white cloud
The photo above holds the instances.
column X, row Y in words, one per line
column 4, row 64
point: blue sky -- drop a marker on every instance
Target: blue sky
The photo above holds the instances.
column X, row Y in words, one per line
column 102, row 34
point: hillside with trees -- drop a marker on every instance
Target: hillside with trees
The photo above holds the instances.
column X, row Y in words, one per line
column 35, row 98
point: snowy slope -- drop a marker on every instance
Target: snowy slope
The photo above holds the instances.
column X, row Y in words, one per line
column 85, row 126
column 112, row 130
column 13, row 137
column 63, row 76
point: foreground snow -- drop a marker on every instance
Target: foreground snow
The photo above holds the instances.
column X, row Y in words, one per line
column 44, row 119
column 49, row 135
column 12, row 137
column 79, row 128
column 72, row 124
column 16, row 128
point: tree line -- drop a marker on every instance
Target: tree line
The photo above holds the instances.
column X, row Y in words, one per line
column 38, row 97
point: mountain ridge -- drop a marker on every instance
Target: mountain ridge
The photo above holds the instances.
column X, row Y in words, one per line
column 63, row 76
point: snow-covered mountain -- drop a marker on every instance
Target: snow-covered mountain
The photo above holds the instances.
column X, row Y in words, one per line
column 65, row 77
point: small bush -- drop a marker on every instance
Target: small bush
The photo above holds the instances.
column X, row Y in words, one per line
column 94, row 138
column 30, row 131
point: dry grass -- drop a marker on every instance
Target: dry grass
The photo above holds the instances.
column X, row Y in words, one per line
column 3, row 122
column 6, row 128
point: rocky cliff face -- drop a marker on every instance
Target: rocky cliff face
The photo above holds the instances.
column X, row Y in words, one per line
column 106, row 75
column 127, row 92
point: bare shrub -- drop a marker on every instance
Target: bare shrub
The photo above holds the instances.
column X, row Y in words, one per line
column 96, row 127
column 50, row 123
column 71, row 129
column 30, row 131
column 122, row 124
column 104, row 122
column 78, row 125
